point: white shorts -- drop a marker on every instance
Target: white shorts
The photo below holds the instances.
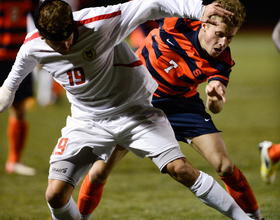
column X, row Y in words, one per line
column 145, row 131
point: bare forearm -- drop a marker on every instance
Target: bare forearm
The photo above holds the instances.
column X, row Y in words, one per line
column 216, row 99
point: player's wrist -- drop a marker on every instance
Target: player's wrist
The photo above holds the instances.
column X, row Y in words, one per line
column 213, row 98
column 6, row 98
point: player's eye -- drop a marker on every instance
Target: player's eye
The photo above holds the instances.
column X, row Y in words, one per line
column 220, row 34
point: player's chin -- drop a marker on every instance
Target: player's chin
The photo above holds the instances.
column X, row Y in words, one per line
column 214, row 54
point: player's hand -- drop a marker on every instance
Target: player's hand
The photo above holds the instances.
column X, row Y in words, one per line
column 6, row 98
column 216, row 91
column 214, row 9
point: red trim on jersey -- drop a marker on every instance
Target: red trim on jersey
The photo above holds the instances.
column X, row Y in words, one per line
column 33, row 36
column 99, row 17
column 134, row 64
column 83, row 22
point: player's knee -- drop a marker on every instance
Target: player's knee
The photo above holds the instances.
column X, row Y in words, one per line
column 98, row 176
column 56, row 196
column 225, row 168
column 182, row 171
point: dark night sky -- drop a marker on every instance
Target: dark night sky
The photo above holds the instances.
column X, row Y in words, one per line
column 260, row 13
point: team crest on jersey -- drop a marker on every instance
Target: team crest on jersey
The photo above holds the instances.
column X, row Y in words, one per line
column 89, row 54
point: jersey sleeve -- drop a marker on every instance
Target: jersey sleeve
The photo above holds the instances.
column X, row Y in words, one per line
column 137, row 12
column 24, row 64
column 222, row 77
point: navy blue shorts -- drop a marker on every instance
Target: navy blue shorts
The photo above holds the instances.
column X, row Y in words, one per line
column 25, row 89
column 187, row 116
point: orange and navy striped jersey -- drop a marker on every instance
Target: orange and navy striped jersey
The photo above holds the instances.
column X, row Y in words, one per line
column 173, row 56
column 13, row 24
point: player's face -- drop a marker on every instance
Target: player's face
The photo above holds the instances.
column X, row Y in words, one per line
column 62, row 47
column 214, row 39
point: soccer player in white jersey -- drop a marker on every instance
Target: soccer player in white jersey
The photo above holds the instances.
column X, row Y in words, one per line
column 110, row 93
column 276, row 35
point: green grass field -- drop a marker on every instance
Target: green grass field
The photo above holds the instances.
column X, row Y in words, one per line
column 136, row 190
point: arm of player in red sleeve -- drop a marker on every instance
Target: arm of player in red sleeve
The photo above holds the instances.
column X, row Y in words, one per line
column 216, row 99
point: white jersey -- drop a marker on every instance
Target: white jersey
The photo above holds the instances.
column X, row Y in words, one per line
column 101, row 75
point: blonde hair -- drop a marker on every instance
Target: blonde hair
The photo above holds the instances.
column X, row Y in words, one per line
column 236, row 7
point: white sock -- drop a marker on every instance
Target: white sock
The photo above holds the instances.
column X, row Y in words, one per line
column 68, row 212
column 86, row 217
column 255, row 215
column 214, row 195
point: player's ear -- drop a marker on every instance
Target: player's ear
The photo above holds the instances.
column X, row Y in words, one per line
column 41, row 36
column 204, row 26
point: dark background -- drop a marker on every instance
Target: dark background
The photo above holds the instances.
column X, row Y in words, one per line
column 260, row 14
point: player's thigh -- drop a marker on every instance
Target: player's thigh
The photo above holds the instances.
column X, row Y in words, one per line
column 212, row 147
column 149, row 134
column 100, row 170
column 74, row 168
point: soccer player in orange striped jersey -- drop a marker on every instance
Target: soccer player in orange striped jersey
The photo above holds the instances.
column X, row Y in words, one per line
column 13, row 25
column 270, row 152
column 174, row 56
column 180, row 55
column 270, row 157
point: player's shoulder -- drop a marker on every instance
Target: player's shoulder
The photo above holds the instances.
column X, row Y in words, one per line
column 31, row 36
column 192, row 24
column 93, row 14
column 179, row 24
